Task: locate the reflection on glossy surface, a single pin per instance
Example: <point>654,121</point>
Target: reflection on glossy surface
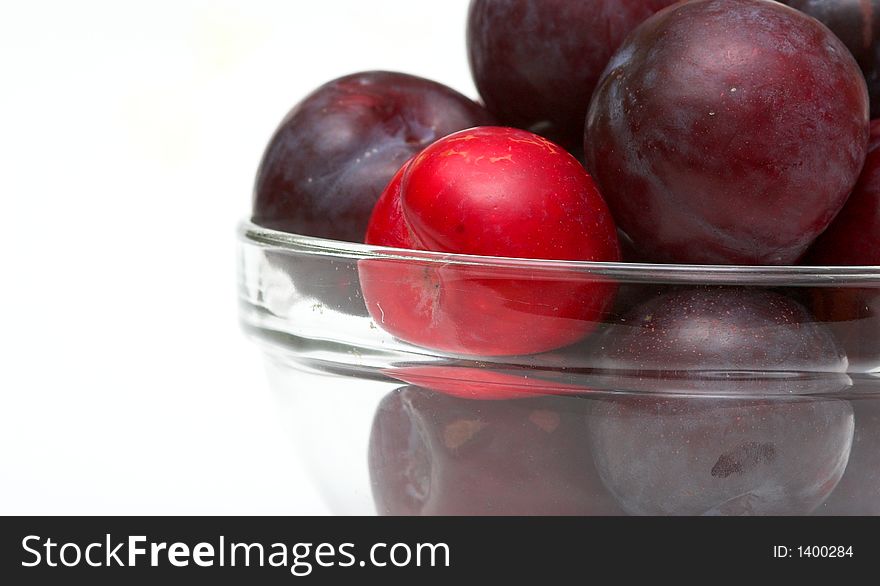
<point>373,448</point>
<point>704,390</point>
<point>858,492</point>
<point>434,454</point>
<point>484,383</point>
<point>331,284</point>
<point>720,456</point>
<point>853,314</point>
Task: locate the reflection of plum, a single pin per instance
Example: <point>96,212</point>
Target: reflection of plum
<point>434,454</point>
<point>858,492</point>
<point>479,381</point>
<point>727,335</point>
<point>694,456</point>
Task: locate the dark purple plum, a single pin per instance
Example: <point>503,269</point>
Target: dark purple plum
<point>857,24</point>
<point>723,339</point>
<point>436,454</point>
<point>536,62</point>
<point>662,455</point>
<point>728,132</point>
<point>336,150</point>
<point>628,250</point>
<point>854,236</point>
<point>853,313</point>
<point>858,492</point>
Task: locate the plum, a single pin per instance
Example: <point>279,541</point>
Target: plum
<point>686,455</point>
<point>857,24</point>
<point>336,150</point>
<point>435,454</point>
<point>628,250</point>
<point>853,238</point>
<point>853,313</point>
<point>536,62</point>
<point>490,191</point>
<point>727,132</point>
<point>719,338</point>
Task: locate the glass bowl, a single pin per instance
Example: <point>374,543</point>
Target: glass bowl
<point>424,383</point>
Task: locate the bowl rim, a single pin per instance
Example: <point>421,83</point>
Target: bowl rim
<point>743,275</point>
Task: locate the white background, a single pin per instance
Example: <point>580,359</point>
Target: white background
<point>129,138</point>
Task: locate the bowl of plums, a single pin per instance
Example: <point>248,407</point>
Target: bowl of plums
<point>639,275</point>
